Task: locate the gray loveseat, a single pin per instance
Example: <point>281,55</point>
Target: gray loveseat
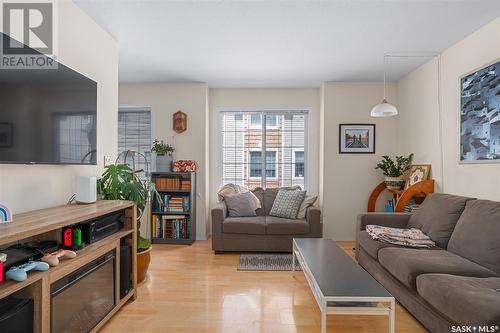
<point>262,233</point>
<point>455,283</point>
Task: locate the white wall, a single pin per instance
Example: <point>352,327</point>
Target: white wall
<point>418,120</point>
<point>348,179</point>
<point>165,100</point>
<point>88,49</point>
<point>419,113</point>
<point>272,98</point>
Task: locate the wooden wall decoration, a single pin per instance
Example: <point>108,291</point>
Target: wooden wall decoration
<point>179,121</point>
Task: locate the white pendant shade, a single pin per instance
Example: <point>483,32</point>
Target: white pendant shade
<point>384,109</point>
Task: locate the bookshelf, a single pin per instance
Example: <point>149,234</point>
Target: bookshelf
<point>174,222</point>
<point>402,197</point>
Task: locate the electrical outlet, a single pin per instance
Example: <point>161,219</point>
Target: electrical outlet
<point>107,160</point>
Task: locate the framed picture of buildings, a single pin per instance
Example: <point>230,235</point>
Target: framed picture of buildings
<point>480,115</point>
<point>356,138</point>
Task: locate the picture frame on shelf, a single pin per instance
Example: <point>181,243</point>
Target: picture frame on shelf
<point>357,138</point>
<point>417,173</point>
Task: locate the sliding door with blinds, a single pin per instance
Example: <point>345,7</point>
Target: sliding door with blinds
<point>266,148</point>
<point>134,132</point>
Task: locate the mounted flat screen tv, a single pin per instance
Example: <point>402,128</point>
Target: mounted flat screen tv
<point>47,116</point>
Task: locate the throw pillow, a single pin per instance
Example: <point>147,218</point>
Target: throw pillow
<point>229,189</point>
<point>287,204</point>
<point>309,200</point>
<point>240,205</point>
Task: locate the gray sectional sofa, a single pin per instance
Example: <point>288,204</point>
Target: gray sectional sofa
<point>455,283</point>
<point>263,233</point>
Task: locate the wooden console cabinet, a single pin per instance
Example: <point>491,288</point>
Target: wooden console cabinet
<point>47,224</point>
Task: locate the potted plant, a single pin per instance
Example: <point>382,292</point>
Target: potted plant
<point>163,152</point>
<point>394,170</point>
<point>119,182</point>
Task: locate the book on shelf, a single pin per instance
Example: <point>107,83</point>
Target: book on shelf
<point>186,185</point>
<point>174,204</point>
<point>411,206</point>
<point>390,206</point>
<point>170,227</point>
<point>166,183</point>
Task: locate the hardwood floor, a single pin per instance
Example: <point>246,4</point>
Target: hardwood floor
<point>189,289</point>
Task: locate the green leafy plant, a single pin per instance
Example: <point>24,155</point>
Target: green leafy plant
<point>161,148</point>
<point>119,182</point>
<point>391,168</point>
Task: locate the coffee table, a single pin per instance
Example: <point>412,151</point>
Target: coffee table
<point>338,283</point>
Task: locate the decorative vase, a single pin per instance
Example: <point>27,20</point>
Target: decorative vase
<point>143,260</point>
<point>164,163</point>
<point>394,183</point>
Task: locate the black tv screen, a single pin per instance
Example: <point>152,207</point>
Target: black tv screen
<point>47,116</point>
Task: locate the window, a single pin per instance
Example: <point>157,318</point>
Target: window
<point>246,139</point>
<point>255,162</point>
<point>134,132</point>
<point>256,121</point>
<point>298,163</point>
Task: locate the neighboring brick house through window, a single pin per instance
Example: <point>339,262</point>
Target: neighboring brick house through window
<point>279,136</point>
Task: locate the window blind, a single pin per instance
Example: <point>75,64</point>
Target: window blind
<point>134,132</point>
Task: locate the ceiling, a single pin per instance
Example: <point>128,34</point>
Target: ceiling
<point>280,43</point>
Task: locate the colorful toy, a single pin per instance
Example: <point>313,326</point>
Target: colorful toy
<point>53,258</point>
<point>5,214</point>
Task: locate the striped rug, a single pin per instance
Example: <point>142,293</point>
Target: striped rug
<point>266,262</point>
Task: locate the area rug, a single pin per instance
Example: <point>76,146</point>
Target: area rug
<point>266,262</point>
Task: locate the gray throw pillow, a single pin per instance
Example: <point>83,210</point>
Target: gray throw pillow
<point>240,205</point>
<point>287,204</point>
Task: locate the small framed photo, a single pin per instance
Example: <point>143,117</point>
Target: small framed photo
<point>6,135</point>
<point>418,173</point>
<point>356,138</point>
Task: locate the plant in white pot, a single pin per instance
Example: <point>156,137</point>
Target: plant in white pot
<point>394,170</point>
<point>163,152</point>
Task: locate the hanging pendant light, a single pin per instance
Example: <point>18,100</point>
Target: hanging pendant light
<point>384,109</point>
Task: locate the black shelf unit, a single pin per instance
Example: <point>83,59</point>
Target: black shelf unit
<point>159,177</point>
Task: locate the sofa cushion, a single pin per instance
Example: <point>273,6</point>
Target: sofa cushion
<point>281,226</point>
<point>240,205</point>
<point>465,300</point>
<point>438,215</point>
<point>370,245</point>
<point>477,234</point>
<point>245,225</point>
<point>406,264</point>
<point>287,204</point>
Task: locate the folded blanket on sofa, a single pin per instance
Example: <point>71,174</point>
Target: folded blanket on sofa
<point>403,237</point>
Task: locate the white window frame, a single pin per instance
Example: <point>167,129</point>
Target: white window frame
<point>294,150</point>
<point>275,151</point>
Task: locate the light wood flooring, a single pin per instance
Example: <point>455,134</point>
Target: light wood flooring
<point>189,289</point>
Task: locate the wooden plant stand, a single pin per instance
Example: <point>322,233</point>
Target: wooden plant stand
<point>418,190</point>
